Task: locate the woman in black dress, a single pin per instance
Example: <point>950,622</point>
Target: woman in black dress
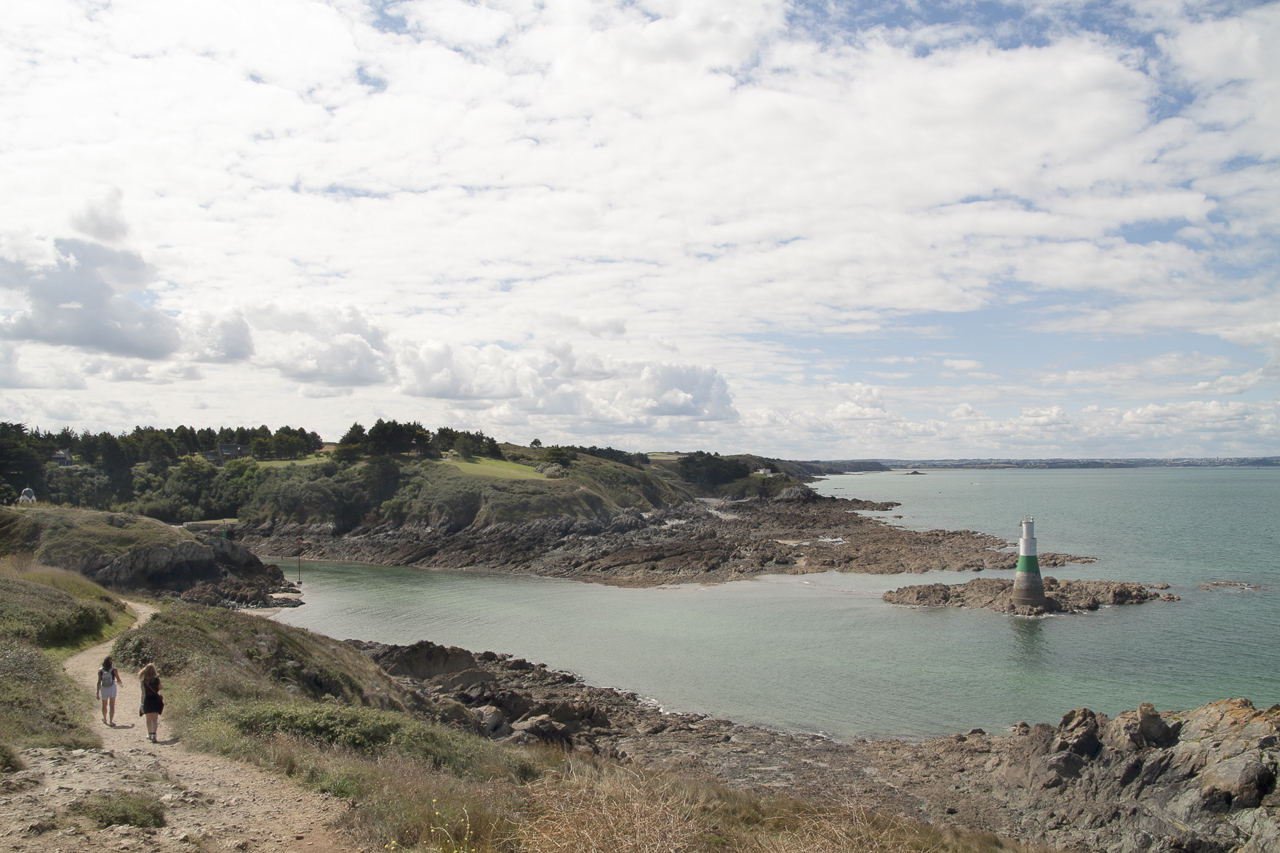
<point>152,701</point>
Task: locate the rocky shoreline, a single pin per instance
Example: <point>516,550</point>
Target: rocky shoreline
<point>798,533</point>
<point>1200,780</point>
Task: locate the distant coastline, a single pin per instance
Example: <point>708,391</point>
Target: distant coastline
<point>1189,462</point>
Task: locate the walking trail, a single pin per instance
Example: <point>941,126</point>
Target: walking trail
<point>211,803</point>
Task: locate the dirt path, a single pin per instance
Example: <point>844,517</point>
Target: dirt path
<point>210,803</point>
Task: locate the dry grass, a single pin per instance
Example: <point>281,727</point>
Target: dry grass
<point>410,801</point>
<point>597,808</point>
<point>14,565</point>
<point>61,612</point>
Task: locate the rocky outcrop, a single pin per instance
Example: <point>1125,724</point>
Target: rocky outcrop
<point>1144,782</point>
<point>796,533</point>
<point>997,594</point>
<point>1194,780</point>
<point>213,572</point>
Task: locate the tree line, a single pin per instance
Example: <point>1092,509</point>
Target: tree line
<point>106,462</point>
<point>392,438</point>
<point>163,473</point>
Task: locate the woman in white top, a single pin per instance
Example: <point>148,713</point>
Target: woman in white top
<point>108,678</point>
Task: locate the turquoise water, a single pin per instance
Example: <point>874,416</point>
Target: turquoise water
<point>824,653</point>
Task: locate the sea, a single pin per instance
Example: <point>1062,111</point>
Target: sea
<point>823,653</point>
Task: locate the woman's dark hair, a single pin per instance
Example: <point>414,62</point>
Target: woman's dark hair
<point>106,662</point>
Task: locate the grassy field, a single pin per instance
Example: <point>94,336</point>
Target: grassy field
<point>482,467</point>
<point>309,459</point>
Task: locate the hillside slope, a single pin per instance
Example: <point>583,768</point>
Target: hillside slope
<point>132,552</point>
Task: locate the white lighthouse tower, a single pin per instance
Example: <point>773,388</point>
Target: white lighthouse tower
<point>1028,587</point>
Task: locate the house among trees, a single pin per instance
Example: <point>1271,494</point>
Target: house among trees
<point>63,458</point>
<point>226,452</point>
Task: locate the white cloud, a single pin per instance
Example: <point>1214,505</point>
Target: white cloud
<point>103,220</point>
<point>696,219</point>
<point>338,347</point>
<point>218,337</point>
<point>116,370</point>
<point>75,303</point>
<point>559,381</point>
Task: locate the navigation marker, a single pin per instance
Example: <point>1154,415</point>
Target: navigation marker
<point>1028,587</point>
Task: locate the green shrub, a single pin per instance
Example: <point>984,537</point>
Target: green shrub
<point>122,808</point>
<point>362,730</point>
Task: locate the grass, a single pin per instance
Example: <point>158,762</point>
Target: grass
<point>482,467</point>
<point>624,486</point>
<point>593,806</point>
<point>39,706</point>
<point>56,610</point>
<point>442,495</point>
<point>121,808</point>
<point>9,760</point>
<point>309,459</point>
<point>46,615</point>
<point>321,713</point>
<point>229,657</point>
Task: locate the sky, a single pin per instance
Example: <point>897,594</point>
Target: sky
<point>813,230</point>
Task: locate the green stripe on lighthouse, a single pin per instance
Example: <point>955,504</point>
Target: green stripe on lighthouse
<point>1028,563</point>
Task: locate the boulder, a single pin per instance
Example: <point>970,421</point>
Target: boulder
<point>424,660</point>
<point>493,723</point>
<point>543,728</point>
<point>1240,782</point>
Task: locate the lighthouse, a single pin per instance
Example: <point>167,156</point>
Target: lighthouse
<point>1028,588</point>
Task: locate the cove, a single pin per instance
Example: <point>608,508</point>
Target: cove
<point>823,653</point>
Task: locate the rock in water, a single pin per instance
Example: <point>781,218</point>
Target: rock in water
<point>997,594</point>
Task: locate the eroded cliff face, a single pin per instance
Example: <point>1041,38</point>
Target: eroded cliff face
<point>212,571</point>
